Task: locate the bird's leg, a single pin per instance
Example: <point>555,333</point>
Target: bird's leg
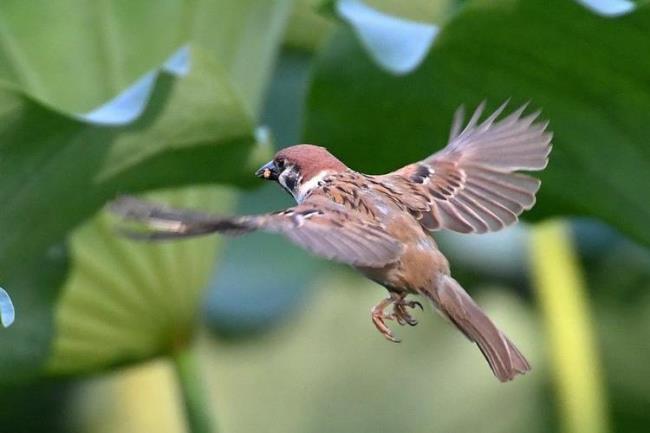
<point>378,316</point>
<point>400,312</point>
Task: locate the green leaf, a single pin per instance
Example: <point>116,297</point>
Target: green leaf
<point>425,11</point>
<point>76,54</point>
<point>584,70</point>
<point>57,171</point>
<point>307,28</point>
<point>59,168</point>
<point>34,287</point>
<point>245,35</point>
<point>71,63</point>
<point>123,300</point>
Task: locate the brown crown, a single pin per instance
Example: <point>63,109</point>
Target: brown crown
<point>310,160</point>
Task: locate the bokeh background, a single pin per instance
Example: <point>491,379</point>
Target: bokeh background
<point>182,99</point>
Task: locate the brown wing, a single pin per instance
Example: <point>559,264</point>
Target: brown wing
<point>324,229</point>
<point>471,186</point>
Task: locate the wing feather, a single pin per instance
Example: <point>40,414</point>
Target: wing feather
<point>472,185</point>
<point>324,229</point>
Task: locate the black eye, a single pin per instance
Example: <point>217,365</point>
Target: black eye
<point>279,163</point>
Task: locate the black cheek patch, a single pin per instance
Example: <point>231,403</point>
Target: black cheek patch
<point>290,181</point>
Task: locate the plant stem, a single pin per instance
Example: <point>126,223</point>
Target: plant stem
<point>575,362</point>
<point>198,411</point>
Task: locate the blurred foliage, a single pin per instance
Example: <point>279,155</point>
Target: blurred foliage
<point>571,342</point>
<point>149,307</point>
<point>416,10</point>
<point>87,301</point>
<point>328,371</point>
<point>36,407</point>
<point>307,29</point>
<point>60,168</point>
<point>84,53</point>
<point>115,159</point>
<point>619,279</point>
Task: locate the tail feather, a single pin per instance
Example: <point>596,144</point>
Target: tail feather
<point>505,360</point>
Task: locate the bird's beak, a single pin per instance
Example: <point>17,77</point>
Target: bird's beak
<point>268,171</point>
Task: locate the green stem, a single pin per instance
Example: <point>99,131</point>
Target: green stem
<point>571,345</point>
<point>198,411</point>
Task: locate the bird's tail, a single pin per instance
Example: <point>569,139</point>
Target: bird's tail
<point>506,361</point>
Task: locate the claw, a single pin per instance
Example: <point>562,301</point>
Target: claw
<point>401,314</point>
<point>411,304</point>
<point>392,338</point>
<point>411,321</point>
<point>406,317</point>
<point>378,316</point>
<point>383,329</point>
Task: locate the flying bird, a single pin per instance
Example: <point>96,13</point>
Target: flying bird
<point>381,225</point>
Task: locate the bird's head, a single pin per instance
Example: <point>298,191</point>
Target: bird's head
<point>299,168</point>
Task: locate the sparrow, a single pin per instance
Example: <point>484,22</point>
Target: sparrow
<point>381,224</point>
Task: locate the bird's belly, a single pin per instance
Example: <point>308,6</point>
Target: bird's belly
<point>418,268</point>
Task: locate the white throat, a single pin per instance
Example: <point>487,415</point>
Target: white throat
<point>305,188</point>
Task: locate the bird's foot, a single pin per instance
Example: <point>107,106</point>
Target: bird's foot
<point>401,314</point>
<point>378,316</point>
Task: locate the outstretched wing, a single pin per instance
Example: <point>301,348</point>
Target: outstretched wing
<point>471,186</point>
<point>324,229</point>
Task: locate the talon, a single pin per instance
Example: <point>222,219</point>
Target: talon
<point>411,321</point>
<point>392,338</point>
<point>383,329</point>
<point>412,304</point>
<point>401,314</point>
<point>378,316</point>
<point>405,317</point>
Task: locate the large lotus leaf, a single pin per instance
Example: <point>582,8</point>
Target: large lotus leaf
<point>586,71</point>
<point>190,124</point>
<point>76,54</point>
<point>58,170</point>
<point>125,300</point>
